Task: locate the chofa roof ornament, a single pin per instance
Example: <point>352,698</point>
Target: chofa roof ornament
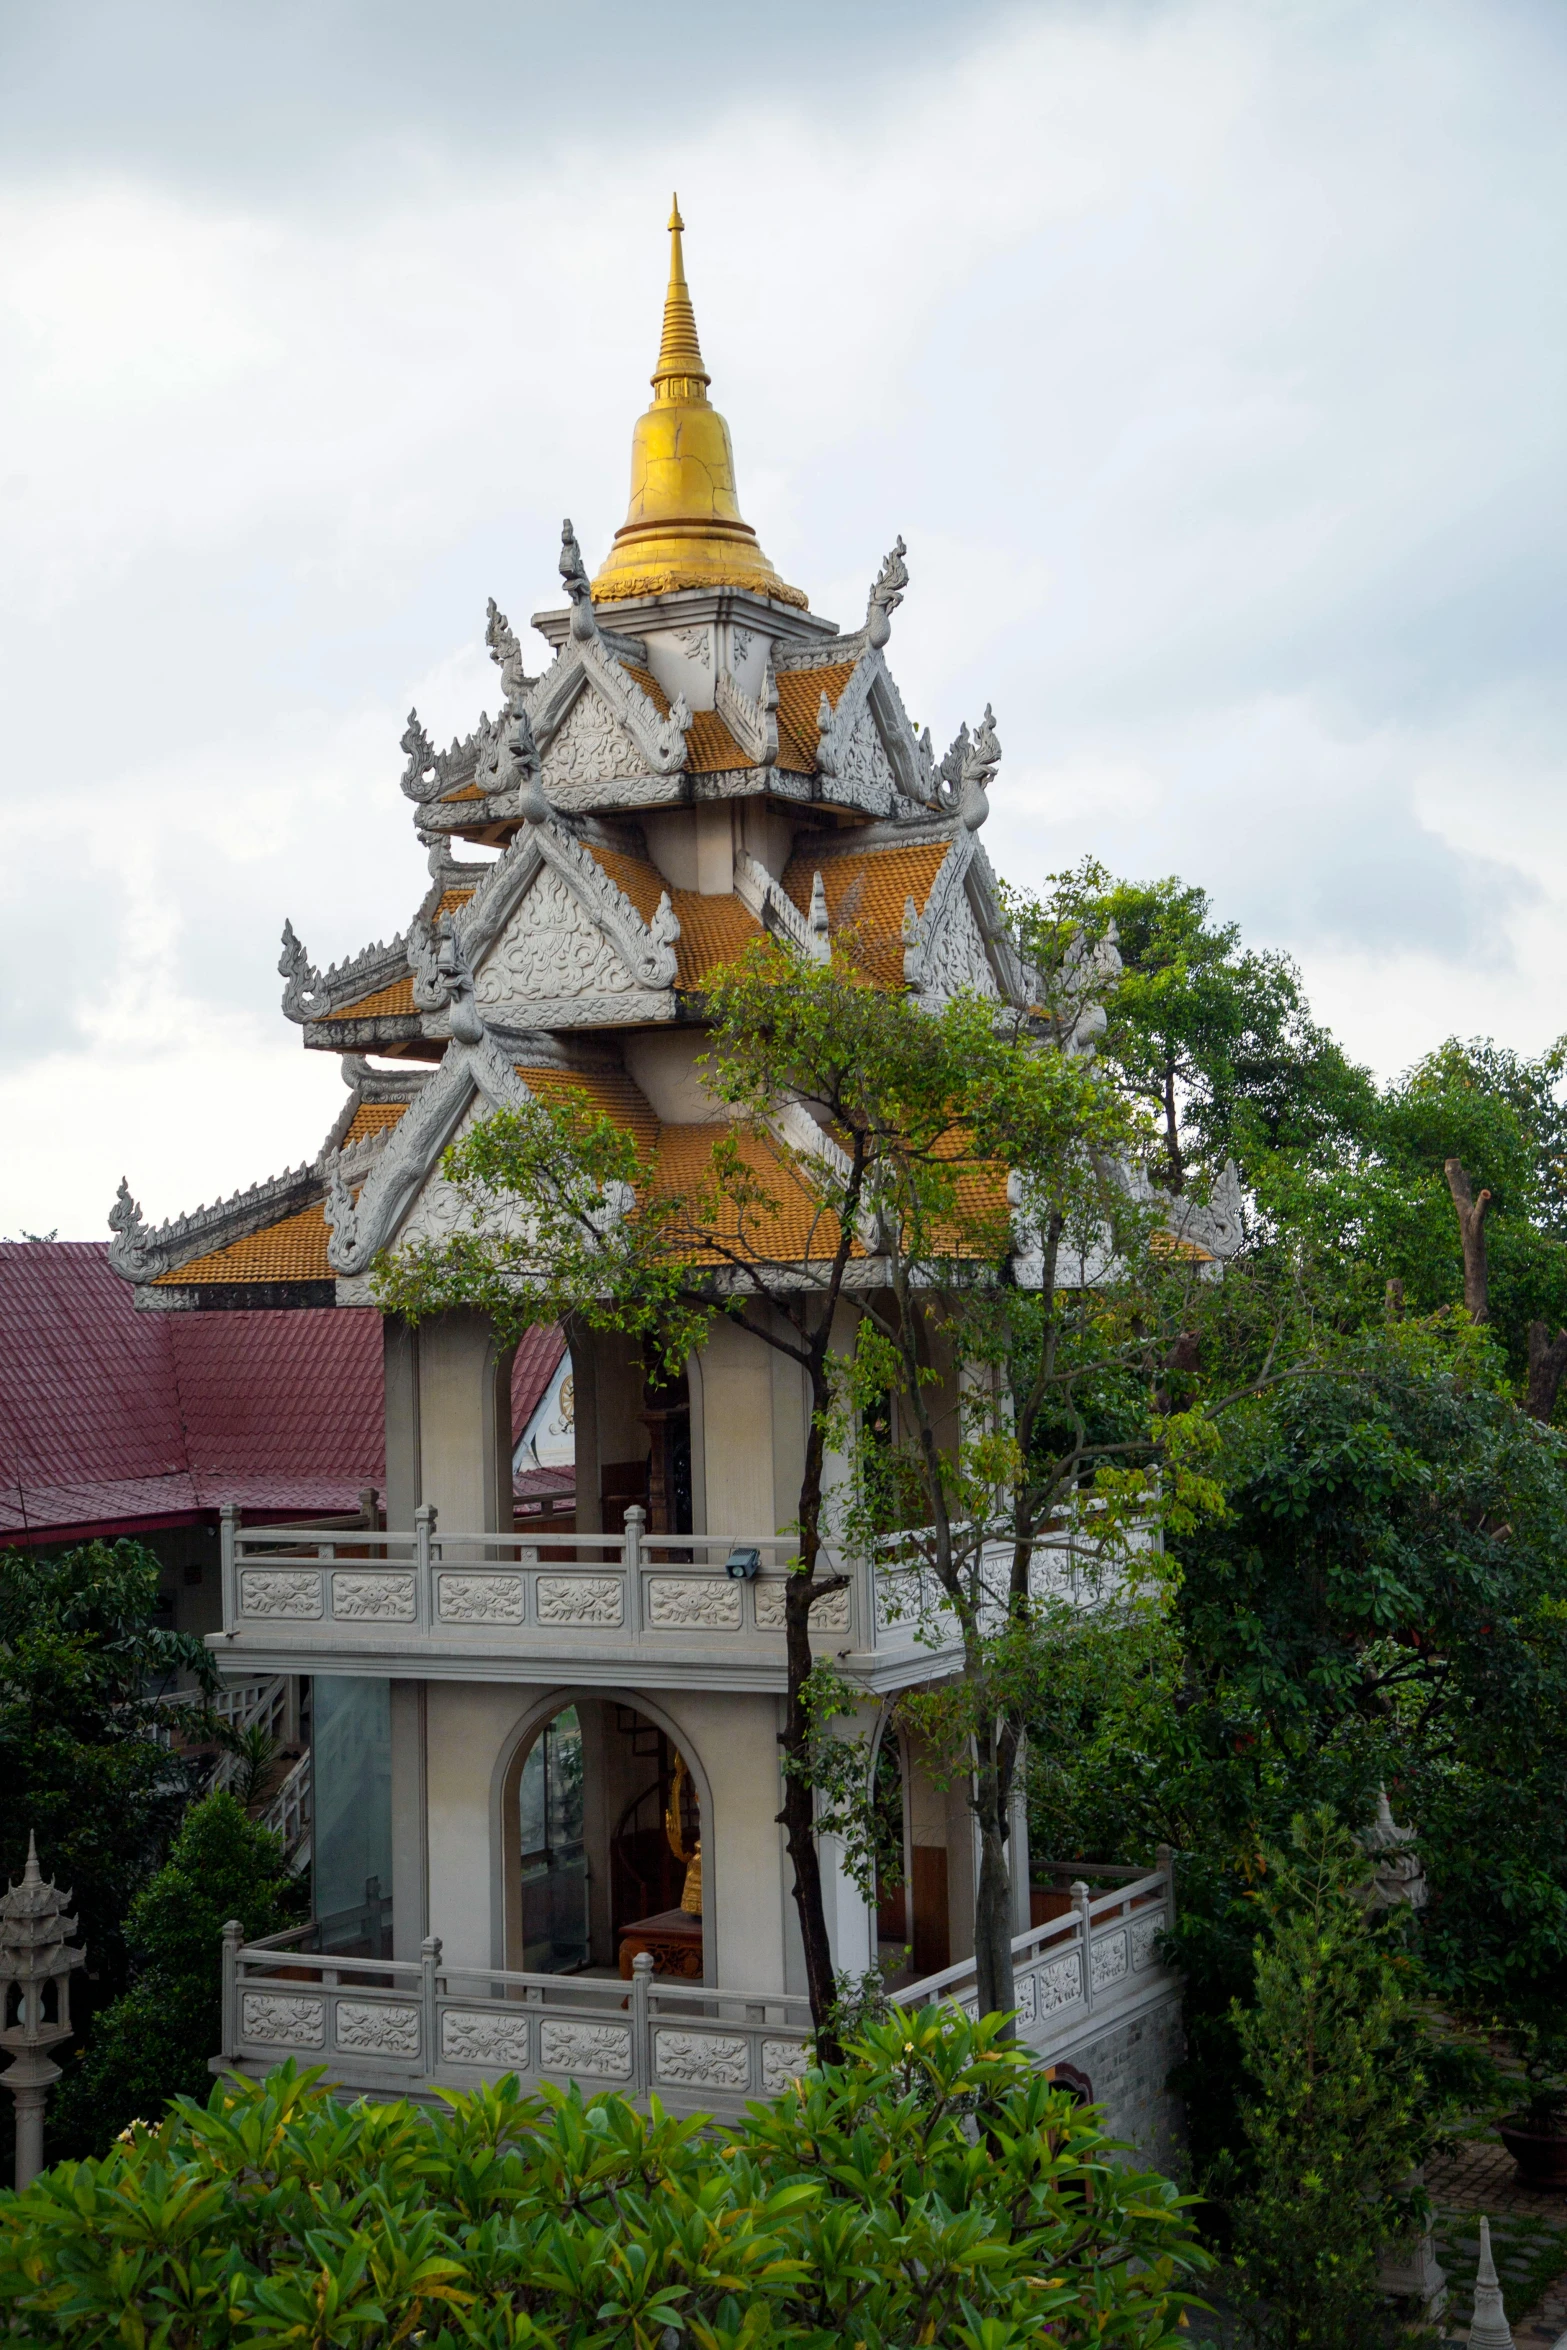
<point>574,579</point>
<point>886,595</point>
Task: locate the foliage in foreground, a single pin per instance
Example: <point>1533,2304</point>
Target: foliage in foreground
<point>154,2041</point>
<point>932,2188</point>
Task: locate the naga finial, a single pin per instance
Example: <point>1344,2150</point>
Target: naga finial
<point>578,587</point>
<point>506,653</point>
<point>418,777</point>
<point>886,594</point>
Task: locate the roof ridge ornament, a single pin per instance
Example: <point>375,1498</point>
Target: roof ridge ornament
<point>531,801</point>
<point>128,1249</point>
<point>421,777</point>
<point>886,594</point>
<point>978,770</point>
<point>817,922</point>
<point>578,587</point>
<point>305,997</point>
<point>506,653</point>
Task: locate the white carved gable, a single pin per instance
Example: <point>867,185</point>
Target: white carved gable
<point>864,770</point>
<point>439,1210</point>
<point>591,748</point>
<point>552,962</point>
<point>955,957</point>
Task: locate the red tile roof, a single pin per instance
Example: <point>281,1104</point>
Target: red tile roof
<point>112,1418</point>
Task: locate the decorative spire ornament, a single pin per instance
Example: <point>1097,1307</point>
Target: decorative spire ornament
<point>683,526</point>
<point>34,1933</point>
<point>1489,2329</point>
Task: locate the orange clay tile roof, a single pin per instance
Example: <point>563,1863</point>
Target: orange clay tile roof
<point>651,687</point>
<point>711,748</point>
<point>866,890</point>
<point>469,791</point>
<point>800,694</point>
<point>399,997</point>
<point>712,929</point>
<point>608,1091</point>
<point>451,899</point>
<point>372,1118</point>
<point>294,1250</point>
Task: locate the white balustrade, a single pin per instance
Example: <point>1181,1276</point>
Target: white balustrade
<point>403,2023</point>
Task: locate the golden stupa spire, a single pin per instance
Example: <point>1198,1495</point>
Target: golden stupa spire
<point>683,528</point>
<point>679,352</point>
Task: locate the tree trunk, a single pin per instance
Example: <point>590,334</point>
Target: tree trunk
<point>993,1898</point>
<point>1471,1232</point>
<point>798,1816</point>
<point>1547,1364</point>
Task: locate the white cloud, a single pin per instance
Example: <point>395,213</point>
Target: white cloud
<point>1209,357</point>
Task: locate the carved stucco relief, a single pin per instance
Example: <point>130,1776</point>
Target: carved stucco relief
<point>479,1599</point>
<point>484,2039</point>
<point>864,768</point>
<point>830,1613</point>
<point>1145,1931</point>
<point>702,2060</point>
<point>283,2023</point>
<point>955,957</point>
<point>783,2061</point>
<point>279,1593</point>
<point>550,948</point>
<point>1060,1983</point>
<point>580,1599</point>
<point>382,1599</point>
<point>377,2031</point>
<point>700,1602</point>
<point>1109,1959</point>
<point>1023,1992</point>
<point>601,2049</point>
<point>440,1209</point>
<point>591,748</point>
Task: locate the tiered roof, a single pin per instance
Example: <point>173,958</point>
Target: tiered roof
<point>702,761</point>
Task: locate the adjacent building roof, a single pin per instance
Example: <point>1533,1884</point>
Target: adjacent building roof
<point>113,1421</point>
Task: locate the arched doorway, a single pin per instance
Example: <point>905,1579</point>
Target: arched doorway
<point>602,1821</point>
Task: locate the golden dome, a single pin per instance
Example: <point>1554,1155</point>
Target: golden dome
<point>683,526</point>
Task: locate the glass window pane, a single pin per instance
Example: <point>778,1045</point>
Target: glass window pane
<point>351,1852</point>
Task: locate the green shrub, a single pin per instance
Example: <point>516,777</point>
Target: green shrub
<point>1339,2108</point>
<point>154,2042</point>
<point>931,2189</point>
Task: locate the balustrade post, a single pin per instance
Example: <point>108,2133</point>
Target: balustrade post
<point>233,1936</point>
<point>429,1964</point>
<point>424,1553</point>
<point>636,1521</point>
<point>641,2036</point>
<point>228,1538</point>
<point>1082,1902</point>
<point>1164,1858</point>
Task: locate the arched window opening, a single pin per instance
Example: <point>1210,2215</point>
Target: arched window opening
<point>607,1858</point>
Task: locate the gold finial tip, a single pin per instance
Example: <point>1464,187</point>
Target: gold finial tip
<point>675,220</point>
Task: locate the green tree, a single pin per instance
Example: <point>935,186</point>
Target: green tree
<point>932,2188</point>
<point>82,1660</point>
<point>1337,2109</point>
<point>155,2040</point>
<point>1213,1038</point>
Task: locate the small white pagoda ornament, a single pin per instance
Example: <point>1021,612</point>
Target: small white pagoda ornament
<point>1489,2329</point>
<point>1399,1875</point>
<point>34,1933</point>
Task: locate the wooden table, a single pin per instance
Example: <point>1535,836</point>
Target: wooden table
<point>673,1937</point>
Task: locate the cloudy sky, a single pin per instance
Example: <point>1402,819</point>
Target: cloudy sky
<point>1209,355</point>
